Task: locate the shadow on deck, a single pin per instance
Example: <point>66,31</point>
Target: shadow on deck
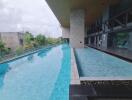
<point>82,92</point>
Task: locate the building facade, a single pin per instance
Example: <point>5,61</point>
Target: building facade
<point>95,23</point>
<point>12,40</point>
<point>113,28</point>
<point>102,24</point>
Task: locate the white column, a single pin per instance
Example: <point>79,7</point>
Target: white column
<point>65,32</point>
<point>77,28</point>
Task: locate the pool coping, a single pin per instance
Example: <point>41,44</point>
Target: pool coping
<point>75,79</point>
<point>105,78</point>
<point>25,54</point>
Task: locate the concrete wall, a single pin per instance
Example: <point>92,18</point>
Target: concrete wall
<point>11,39</point>
<point>65,32</point>
<point>77,28</point>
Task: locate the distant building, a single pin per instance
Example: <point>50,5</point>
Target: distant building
<point>95,23</point>
<point>12,39</point>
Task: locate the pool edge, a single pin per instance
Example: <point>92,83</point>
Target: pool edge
<point>75,78</point>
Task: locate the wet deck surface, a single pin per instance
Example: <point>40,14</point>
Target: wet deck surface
<point>121,53</point>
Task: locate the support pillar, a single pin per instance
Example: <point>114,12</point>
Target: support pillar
<point>77,28</point>
<point>89,41</point>
<point>105,28</point>
<point>65,32</point>
<point>104,40</point>
<point>98,41</point>
<point>95,41</point>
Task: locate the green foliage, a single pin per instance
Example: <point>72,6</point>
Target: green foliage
<point>1,45</point>
<point>28,46</point>
<point>121,39</point>
<point>53,40</point>
<point>3,50</point>
<point>19,50</point>
<point>7,50</point>
<point>30,42</point>
<point>40,39</point>
<point>28,38</point>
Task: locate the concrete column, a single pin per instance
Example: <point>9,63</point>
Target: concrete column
<point>104,40</point>
<point>105,28</point>
<point>130,41</point>
<point>98,41</point>
<point>65,32</point>
<point>95,41</point>
<point>89,40</point>
<point>77,28</point>
<point>105,18</point>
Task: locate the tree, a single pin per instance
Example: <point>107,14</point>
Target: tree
<point>54,40</point>
<point>3,49</point>
<point>40,39</point>
<point>29,41</point>
<point>121,39</point>
<point>1,45</point>
<point>28,38</point>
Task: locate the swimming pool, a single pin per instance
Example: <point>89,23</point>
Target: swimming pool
<point>97,64</point>
<point>44,75</point>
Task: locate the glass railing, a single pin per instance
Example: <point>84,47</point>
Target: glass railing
<point>15,54</point>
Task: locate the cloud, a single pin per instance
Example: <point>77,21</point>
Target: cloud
<point>29,15</point>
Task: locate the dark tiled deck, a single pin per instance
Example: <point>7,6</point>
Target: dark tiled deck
<point>120,53</point>
<point>82,92</point>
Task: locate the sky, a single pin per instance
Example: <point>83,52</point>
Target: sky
<point>34,16</point>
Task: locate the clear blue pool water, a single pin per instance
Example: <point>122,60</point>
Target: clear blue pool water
<point>94,63</point>
<point>41,76</point>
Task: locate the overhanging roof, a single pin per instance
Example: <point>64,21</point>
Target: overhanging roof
<point>93,8</point>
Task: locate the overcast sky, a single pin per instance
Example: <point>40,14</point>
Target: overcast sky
<point>28,15</point>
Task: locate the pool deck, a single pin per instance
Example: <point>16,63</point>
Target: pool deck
<point>127,55</point>
<point>98,88</point>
